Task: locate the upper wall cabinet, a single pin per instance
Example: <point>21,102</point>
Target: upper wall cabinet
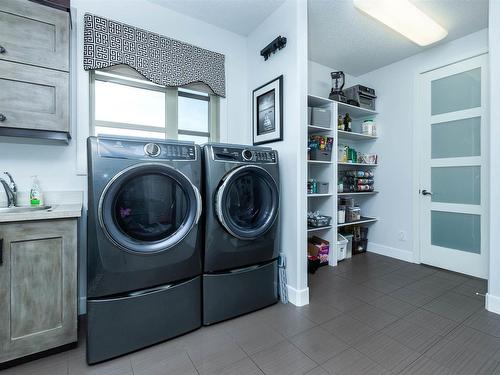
<point>34,71</point>
<point>34,34</point>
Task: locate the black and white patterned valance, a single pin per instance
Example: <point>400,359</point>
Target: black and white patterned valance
<point>162,60</point>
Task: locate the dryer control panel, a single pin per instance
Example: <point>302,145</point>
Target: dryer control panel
<point>131,149</point>
<point>249,155</point>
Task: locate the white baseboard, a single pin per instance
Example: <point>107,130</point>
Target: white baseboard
<point>492,303</point>
<point>298,297</point>
<point>392,252</point>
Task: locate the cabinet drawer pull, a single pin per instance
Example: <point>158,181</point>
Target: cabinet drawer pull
<point>2,117</point>
<point>1,251</point>
<point>2,49</point>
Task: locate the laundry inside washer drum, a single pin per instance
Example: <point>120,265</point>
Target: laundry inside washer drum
<point>150,207</point>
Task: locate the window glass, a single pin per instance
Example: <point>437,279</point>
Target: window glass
<point>198,139</point>
<point>127,105</point>
<point>193,114</point>
<point>101,130</point>
<point>131,105</point>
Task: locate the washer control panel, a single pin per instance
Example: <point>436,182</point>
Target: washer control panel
<point>249,155</point>
<point>131,149</point>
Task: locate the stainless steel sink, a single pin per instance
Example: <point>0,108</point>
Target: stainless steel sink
<point>23,209</point>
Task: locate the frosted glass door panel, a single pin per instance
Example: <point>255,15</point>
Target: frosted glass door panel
<point>453,139</point>
<point>456,184</point>
<point>456,92</point>
<point>456,231</point>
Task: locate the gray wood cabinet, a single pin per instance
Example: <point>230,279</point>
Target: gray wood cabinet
<point>33,97</point>
<point>34,70</point>
<point>38,293</point>
<point>34,34</point>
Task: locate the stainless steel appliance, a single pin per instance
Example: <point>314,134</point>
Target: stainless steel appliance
<point>362,95</point>
<point>144,244</point>
<point>240,270</point>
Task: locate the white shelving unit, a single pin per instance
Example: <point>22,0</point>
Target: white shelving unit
<point>327,171</point>
<point>362,143</point>
<point>324,171</point>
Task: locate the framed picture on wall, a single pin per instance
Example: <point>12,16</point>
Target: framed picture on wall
<point>267,112</point>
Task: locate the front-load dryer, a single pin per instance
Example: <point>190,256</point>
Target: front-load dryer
<point>144,243</point>
<point>242,198</point>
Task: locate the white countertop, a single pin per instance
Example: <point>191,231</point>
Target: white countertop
<point>58,211</point>
<point>64,205</point>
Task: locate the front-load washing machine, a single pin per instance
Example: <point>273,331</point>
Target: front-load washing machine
<point>242,197</point>
<point>144,243</point>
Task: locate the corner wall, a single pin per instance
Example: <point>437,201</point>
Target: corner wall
<point>493,296</point>
<point>290,21</point>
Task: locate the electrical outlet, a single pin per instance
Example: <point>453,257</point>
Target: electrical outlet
<point>402,235</point>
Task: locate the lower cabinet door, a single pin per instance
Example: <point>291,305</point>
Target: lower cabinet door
<point>38,296</point>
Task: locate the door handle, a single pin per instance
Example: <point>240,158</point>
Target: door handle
<point>2,117</point>
<point>425,192</point>
<point>2,49</point>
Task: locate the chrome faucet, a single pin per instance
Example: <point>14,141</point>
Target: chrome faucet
<point>10,190</point>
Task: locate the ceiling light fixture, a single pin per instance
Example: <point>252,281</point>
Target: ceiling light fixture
<point>405,18</point>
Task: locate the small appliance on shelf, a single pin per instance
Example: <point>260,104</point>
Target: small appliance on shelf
<point>362,96</point>
<point>338,82</point>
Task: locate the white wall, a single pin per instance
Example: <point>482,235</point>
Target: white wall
<point>63,167</point>
<point>319,81</point>
<point>290,21</point>
<point>395,87</point>
<point>493,297</point>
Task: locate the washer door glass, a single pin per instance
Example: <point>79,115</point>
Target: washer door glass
<point>248,202</point>
<point>149,208</point>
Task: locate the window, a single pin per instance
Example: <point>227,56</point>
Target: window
<point>124,103</point>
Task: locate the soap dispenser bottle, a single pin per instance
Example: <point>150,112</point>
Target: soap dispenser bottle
<point>35,193</point>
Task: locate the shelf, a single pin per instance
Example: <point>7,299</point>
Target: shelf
<point>355,112</point>
<point>364,220</point>
<point>359,193</point>
<point>319,162</point>
<point>319,195</point>
<point>312,229</point>
<point>317,101</point>
<point>342,134</point>
<point>359,164</point>
<point>318,129</point>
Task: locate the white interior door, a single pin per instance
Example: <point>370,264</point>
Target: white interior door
<point>453,128</point>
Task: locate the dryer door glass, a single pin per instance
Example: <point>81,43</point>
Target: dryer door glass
<point>149,208</point>
<point>248,202</point>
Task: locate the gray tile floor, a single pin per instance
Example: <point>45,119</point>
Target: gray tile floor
<point>370,315</point>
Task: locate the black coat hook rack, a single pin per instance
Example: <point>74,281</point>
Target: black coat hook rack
<point>275,45</point>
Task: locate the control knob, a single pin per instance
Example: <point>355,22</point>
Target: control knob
<point>152,149</point>
<point>247,155</point>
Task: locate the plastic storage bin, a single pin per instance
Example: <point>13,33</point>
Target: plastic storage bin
<point>323,187</point>
<point>342,243</point>
<point>348,254</point>
<point>320,221</point>
<point>320,155</point>
<point>321,117</point>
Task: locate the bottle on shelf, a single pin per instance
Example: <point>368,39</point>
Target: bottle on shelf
<point>347,123</point>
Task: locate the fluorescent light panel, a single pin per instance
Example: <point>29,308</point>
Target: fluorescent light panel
<point>405,18</point>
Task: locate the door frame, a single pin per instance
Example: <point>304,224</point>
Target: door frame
<point>417,155</point>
